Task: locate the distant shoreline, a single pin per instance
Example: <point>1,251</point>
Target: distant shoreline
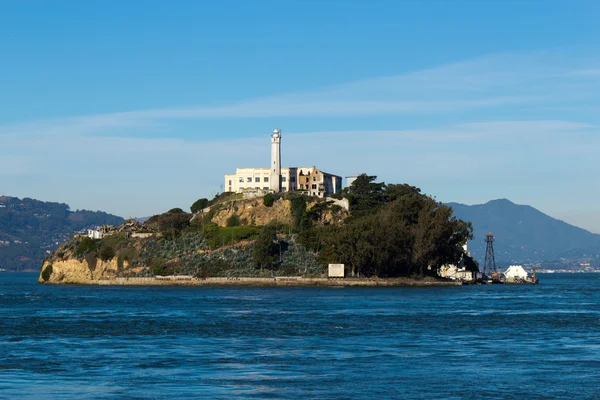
<point>261,282</point>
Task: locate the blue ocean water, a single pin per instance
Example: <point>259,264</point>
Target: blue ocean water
<point>474,342</point>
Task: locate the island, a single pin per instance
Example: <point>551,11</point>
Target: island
<point>383,234</point>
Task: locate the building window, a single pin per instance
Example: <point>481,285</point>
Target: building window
<point>241,179</point>
<point>230,183</point>
<point>266,179</point>
<point>314,178</point>
<point>257,179</point>
<point>249,179</point>
<point>292,179</point>
<point>265,188</point>
<point>314,186</point>
<point>283,179</point>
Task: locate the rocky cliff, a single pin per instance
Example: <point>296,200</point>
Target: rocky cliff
<point>77,271</point>
<point>207,244</point>
<point>254,212</point>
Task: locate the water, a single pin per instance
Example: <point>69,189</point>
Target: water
<point>495,341</point>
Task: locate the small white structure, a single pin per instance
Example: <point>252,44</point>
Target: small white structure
<point>336,271</point>
<point>515,273</point>
<point>463,275</point>
<point>94,234</point>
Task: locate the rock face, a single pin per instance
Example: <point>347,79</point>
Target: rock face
<point>76,271</point>
<point>135,251</point>
<point>254,212</point>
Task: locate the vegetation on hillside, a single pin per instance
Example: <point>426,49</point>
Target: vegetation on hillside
<point>393,230</point>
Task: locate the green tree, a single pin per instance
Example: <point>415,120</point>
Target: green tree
<point>301,218</point>
<point>199,205</point>
<point>365,195</point>
<point>107,252</point>
<point>265,247</point>
<point>87,245</point>
<point>268,200</point>
<point>172,224</point>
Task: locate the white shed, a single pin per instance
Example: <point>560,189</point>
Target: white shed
<point>515,272</point>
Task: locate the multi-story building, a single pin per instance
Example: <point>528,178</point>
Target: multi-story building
<point>276,179</point>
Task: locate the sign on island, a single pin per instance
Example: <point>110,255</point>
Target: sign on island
<point>336,270</point>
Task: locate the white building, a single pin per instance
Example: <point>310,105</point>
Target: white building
<point>94,234</point>
<point>515,273</point>
<point>310,180</point>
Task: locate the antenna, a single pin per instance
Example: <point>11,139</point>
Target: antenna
<point>489,265</point>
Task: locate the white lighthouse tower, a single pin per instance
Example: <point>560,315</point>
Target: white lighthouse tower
<point>275,181</point>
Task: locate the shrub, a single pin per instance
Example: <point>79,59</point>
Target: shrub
<point>199,205</point>
<point>268,200</point>
<point>87,245</point>
<point>234,220</point>
<point>91,261</point>
<point>128,254</point>
<point>217,236</point>
<point>221,197</point>
<point>107,252</point>
<point>46,273</point>
<point>158,266</point>
<point>171,225</point>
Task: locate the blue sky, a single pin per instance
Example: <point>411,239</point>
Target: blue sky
<point>140,106</point>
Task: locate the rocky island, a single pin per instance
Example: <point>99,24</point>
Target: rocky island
<point>383,234</point>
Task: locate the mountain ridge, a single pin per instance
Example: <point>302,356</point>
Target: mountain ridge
<point>30,228</point>
<point>525,234</point>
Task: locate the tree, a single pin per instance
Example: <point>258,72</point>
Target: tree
<point>171,224</point>
<point>107,253</point>
<point>365,195</point>
<point>265,247</point>
<point>301,218</point>
<point>199,205</point>
<point>268,200</point>
<point>412,234</point>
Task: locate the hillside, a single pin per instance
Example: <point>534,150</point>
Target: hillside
<point>524,234</point>
<point>390,231</point>
<point>29,229</point>
<point>219,242</point>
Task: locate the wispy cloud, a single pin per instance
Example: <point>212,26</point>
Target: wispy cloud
<point>520,118</point>
<point>499,81</point>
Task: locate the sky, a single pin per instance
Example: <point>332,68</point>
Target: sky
<point>137,107</point>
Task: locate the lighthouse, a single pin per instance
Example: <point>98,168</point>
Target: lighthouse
<point>275,181</point>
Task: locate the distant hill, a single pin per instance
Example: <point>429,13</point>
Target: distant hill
<point>524,234</point>
<point>28,228</point>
